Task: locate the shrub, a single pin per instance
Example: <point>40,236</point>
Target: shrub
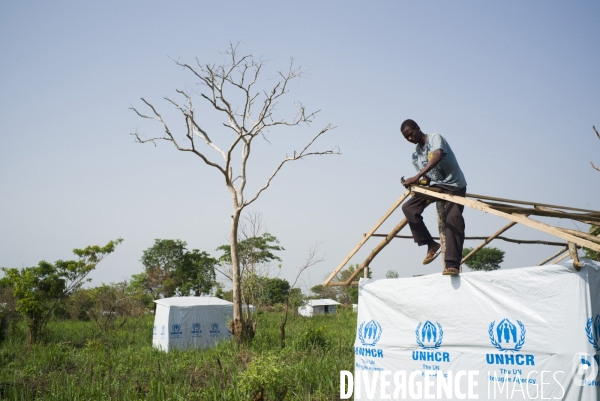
<point>265,377</point>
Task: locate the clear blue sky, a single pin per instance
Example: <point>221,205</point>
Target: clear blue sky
<point>514,87</point>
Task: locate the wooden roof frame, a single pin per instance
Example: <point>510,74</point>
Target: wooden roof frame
<point>509,209</point>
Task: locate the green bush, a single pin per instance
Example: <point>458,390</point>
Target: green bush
<point>312,338</point>
<point>265,374</point>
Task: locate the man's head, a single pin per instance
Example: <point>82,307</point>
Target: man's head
<point>411,131</point>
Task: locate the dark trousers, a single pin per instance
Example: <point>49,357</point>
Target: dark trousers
<point>455,224</point>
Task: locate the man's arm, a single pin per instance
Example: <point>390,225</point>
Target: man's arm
<point>435,160</point>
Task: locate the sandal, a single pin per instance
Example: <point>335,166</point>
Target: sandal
<point>450,271</point>
<point>431,255</point>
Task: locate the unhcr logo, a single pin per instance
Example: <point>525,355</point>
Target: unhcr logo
<point>507,337</point>
<point>429,337</point>
<point>196,330</point>
<point>176,330</point>
<point>214,329</point>
<point>369,334</point>
<point>592,329</point>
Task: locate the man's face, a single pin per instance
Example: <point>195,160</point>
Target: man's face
<point>412,135</point>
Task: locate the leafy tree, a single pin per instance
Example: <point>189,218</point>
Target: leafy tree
<point>392,274</point>
<point>38,289</point>
<point>256,252</point>
<point>589,253</point>
<point>196,275</point>
<point>249,105</point>
<point>170,269</point>
<point>326,292</point>
<point>486,259</point>
<point>275,290</point>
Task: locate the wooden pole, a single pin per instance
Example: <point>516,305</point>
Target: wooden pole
<point>487,241</point>
<point>513,240</point>
<point>518,202</point>
<point>366,237</point>
<point>574,256</point>
<point>543,262</point>
<point>378,249</point>
<point>513,217</point>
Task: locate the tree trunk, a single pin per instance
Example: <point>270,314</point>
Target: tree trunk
<point>237,326</point>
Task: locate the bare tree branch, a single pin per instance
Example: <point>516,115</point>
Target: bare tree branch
<point>249,111</point>
<point>297,156</point>
<point>598,134</point>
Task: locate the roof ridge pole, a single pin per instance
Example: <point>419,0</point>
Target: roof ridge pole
<point>367,236</point>
<point>487,241</point>
<point>519,218</point>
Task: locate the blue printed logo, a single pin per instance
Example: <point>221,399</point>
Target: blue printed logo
<point>429,336</point>
<point>196,330</point>
<point>163,330</point>
<point>214,329</point>
<point>369,333</point>
<point>592,329</point>
<point>507,333</point>
<point>154,331</point>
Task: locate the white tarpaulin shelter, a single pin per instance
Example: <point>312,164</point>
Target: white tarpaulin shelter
<point>318,307</point>
<point>191,322</point>
<point>524,330</point>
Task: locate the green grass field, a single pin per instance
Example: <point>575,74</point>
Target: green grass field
<point>75,362</point>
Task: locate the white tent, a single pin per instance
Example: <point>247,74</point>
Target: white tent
<point>519,332</point>
<point>191,322</point>
<point>317,307</point>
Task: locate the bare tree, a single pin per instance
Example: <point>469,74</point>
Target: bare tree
<point>598,134</point>
<point>220,85</point>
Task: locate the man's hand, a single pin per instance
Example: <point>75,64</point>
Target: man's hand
<point>411,181</point>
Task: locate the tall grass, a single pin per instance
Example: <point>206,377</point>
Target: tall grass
<point>77,363</point>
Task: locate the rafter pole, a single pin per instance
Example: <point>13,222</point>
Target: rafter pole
<point>487,241</point>
<point>378,249</point>
<point>513,217</point>
<point>367,236</point>
<point>543,262</point>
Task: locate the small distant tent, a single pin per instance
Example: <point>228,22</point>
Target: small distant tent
<point>191,322</point>
<point>318,307</point>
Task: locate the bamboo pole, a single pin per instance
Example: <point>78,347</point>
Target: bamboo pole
<point>513,217</point>
<point>487,241</point>
<point>366,237</point>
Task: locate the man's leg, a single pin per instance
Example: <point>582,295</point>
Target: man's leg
<point>413,210</point>
<point>455,229</point>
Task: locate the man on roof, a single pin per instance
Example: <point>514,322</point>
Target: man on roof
<point>436,164</point>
